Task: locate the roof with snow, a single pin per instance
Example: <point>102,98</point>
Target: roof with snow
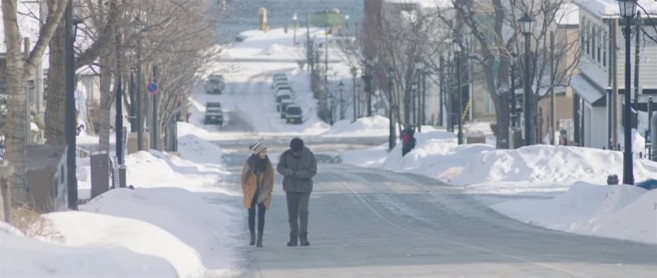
<point>423,3</point>
<point>568,14</point>
<point>609,8</point>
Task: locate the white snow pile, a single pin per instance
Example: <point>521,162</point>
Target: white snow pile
<point>22,256</point>
<point>436,155</point>
<point>619,211</point>
<point>550,164</point>
<point>366,126</point>
<point>584,206</point>
<point>274,49</point>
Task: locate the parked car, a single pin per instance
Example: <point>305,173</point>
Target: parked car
<point>215,84</point>
<point>279,75</point>
<point>283,105</point>
<point>279,78</point>
<point>283,87</point>
<point>213,114</point>
<point>293,114</point>
<point>279,83</point>
<point>282,92</point>
<point>282,95</point>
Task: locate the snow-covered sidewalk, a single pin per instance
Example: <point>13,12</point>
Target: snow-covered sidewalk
<point>171,225</point>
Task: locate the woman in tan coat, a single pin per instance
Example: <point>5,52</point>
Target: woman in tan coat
<point>257,184</point>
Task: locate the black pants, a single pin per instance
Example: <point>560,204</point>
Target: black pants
<point>261,215</point>
<point>297,211</point>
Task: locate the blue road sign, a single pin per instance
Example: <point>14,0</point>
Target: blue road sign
<point>152,88</point>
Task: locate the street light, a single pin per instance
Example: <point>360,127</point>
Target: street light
<point>354,73</point>
<point>329,99</point>
<point>119,117</point>
<point>419,66</point>
<point>70,121</point>
<point>627,10</point>
<point>526,23</point>
<point>391,135</point>
<point>413,118</point>
<point>341,89</point>
<point>294,36</point>
<point>459,110</point>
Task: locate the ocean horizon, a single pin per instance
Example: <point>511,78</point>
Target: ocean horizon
<point>242,15</point>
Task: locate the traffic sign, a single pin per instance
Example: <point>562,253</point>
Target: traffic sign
<point>152,88</point>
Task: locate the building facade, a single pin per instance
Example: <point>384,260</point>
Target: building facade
<point>600,84</point>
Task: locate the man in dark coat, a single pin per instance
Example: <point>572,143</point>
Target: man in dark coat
<point>297,166</point>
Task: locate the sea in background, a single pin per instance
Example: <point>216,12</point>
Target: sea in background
<point>242,15</point>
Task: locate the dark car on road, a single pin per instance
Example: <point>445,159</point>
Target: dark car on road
<point>215,84</point>
<point>213,114</point>
<point>293,115</point>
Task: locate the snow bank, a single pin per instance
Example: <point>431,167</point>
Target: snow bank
<point>436,155</point>
<point>366,126</point>
<point>27,257</point>
<point>620,211</point>
<point>137,236</point>
<point>207,229</point>
<point>550,164</point>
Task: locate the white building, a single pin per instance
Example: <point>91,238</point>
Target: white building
<point>602,70</point>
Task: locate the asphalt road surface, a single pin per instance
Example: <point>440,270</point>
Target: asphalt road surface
<point>375,223</point>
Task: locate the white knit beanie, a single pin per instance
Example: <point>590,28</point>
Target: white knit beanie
<point>257,148</point>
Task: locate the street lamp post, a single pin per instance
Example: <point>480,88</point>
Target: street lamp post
<point>419,66</point>
<point>70,121</point>
<point>354,72</point>
<point>627,11</point>
<point>119,116</point>
<point>294,27</point>
<point>526,23</point>
<point>330,104</point>
<point>340,90</point>
<point>413,103</point>
<point>391,135</point>
<point>441,74</point>
<point>459,110</point>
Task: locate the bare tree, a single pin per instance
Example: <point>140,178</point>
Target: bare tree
<point>493,25</point>
<point>405,36</point>
<point>98,21</point>
<point>19,65</point>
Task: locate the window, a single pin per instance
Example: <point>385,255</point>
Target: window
<point>588,38</point>
<point>605,40</point>
<point>593,46</point>
<point>582,33</point>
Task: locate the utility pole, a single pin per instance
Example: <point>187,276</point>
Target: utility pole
<point>119,115</point>
<point>615,104</point>
<point>392,137</point>
<point>552,129</point>
<point>28,114</point>
<point>140,91</point>
<point>71,124</point>
<point>637,49</point>
<point>460,98</point>
<point>441,73</point>
<point>354,72</point>
<point>154,132</point>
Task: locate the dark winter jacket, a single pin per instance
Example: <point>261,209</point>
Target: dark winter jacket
<point>297,170</point>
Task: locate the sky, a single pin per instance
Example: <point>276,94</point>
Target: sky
<point>185,218</point>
